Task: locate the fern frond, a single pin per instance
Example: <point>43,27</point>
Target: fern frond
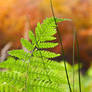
<point>27,44</point>
<point>14,65</point>
<point>35,75</point>
<point>11,82</point>
<point>32,37</point>
<point>47,45</point>
<point>33,71</point>
<point>46,54</point>
<point>21,54</point>
<point>46,29</point>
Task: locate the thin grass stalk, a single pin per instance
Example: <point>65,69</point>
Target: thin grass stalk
<point>78,59</point>
<point>74,35</point>
<point>62,49</point>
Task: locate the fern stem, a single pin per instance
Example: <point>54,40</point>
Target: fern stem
<point>78,58</point>
<point>62,49</point>
<point>44,63</point>
<point>26,81</point>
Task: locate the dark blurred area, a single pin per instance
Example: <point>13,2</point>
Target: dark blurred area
<point>19,16</point>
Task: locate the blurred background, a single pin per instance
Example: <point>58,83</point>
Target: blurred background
<point>19,16</point>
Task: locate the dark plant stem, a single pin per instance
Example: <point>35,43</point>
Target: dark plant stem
<point>62,49</point>
<point>74,35</point>
<point>78,59</point>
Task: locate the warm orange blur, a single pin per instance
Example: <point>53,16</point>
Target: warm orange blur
<point>14,15</point>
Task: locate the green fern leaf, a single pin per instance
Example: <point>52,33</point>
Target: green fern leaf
<point>27,44</point>
<point>46,54</point>
<point>47,29</point>
<point>39,32</point>
<point>12,82</point>
<point>38,79</point>
<point>37,73</point>
<point>21,54</point>
<point>47,38</point>
<point>47,45</point>
<point>32,37</point>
